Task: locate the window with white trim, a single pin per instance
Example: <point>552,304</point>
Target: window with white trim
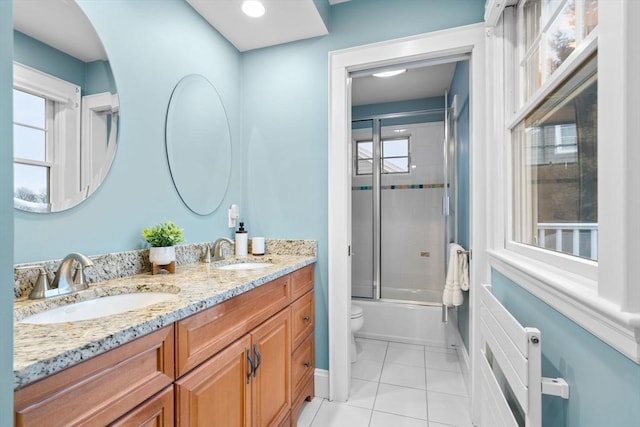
<point>46,127</point>
<point>581,111</point>
<point>32,149</point>
<point>555,139</point>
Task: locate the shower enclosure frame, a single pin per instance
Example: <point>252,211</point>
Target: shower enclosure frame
<point>376,190</point>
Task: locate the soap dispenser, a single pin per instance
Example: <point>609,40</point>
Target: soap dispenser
<point>241,241</point>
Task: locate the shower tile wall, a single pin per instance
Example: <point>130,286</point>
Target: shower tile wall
<point>412,221</point>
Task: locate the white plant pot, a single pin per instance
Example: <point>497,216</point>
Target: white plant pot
<point>162,255</point>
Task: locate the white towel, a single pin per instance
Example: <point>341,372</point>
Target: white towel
<point>457,277</point>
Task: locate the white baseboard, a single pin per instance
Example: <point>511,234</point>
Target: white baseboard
<point>321,383</point>
<point>463,354</point>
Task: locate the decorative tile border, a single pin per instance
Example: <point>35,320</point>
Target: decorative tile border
<point>124,264</point>
<point>398,187</point>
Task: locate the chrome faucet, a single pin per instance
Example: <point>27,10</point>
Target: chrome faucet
<point>67,281</point>
<point>217,248</point>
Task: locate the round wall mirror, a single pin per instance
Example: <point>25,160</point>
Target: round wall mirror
<point>198,144</point>
<point>65,106</point>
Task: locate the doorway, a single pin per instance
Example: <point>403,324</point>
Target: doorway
<point>405,178</point>
<point>458,41</point>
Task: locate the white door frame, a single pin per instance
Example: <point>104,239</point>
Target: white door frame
<point>460,40</point>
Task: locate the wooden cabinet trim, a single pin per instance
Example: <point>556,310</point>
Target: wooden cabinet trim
<point>306,394</point>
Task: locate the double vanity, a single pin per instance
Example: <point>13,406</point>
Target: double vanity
<point>226,344</point>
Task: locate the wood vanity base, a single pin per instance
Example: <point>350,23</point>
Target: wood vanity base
<point>246,362</point>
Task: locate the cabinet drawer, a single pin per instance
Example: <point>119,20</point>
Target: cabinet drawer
<point>157,411</point>
<point>301,281</point>
<point>302,364</point>
<point>204,334</point>
<point>302,319</point>
<point>101,389</point>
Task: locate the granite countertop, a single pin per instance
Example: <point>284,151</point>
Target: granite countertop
<point>42,350</point>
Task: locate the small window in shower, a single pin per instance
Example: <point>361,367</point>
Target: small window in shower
<point>395,156</point>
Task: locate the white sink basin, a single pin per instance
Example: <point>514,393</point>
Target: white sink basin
<point>245,266</point>
<point>98,307</point>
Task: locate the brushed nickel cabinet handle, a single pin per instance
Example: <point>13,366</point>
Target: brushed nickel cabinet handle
<point>251,366</point>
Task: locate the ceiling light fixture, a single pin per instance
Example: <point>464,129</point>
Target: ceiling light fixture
<point>390,73</point>
<point>253,8</point>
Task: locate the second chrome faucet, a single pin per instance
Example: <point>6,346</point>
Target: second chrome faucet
<point>217,248</point>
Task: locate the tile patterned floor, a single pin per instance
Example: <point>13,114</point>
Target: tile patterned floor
<point>397,385</point>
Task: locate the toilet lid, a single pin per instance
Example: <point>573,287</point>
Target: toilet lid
<point>356,311</point>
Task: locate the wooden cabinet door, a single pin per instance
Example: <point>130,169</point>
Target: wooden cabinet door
<point>271,384</point>
<point>218,393</point>
<point>155,412</point>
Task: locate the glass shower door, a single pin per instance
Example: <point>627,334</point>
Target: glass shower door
<point>412,224</point>
<point>398,227</point>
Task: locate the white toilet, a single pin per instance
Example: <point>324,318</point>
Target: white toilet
<point>357,320</point>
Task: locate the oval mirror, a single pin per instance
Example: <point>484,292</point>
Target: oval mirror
<point>65,106</point>
<point>198,144</point>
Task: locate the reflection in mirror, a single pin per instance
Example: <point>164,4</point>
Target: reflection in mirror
<point>198,144</point>
<point>65,106</point>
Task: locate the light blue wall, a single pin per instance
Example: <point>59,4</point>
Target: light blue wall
<point>460,87</point>
<point>151,45</point>
<point>6,213</point>
<point>93,77</point>
<point>98,78</point>
<point>35,54</point>
<point>285,121</point>
<point>604,384</point>
<point>324,9</point>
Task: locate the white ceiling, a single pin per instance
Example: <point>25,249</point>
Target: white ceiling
<point>61,24</point>
<point>284,21</point>
<point>416,83</point>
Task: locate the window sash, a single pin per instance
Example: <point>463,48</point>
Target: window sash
<point>580,267</point>
<point>535,52</point>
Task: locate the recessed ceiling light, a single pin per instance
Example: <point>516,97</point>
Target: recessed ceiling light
<point>399,130</point>
<point>253,8</point>
<point>391,73</point>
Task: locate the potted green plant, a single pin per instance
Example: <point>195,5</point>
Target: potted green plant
<point>162,238</point>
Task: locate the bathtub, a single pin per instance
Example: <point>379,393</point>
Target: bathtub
<point>408,323</point>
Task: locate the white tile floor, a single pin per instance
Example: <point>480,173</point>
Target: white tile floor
<point>397,385</point>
